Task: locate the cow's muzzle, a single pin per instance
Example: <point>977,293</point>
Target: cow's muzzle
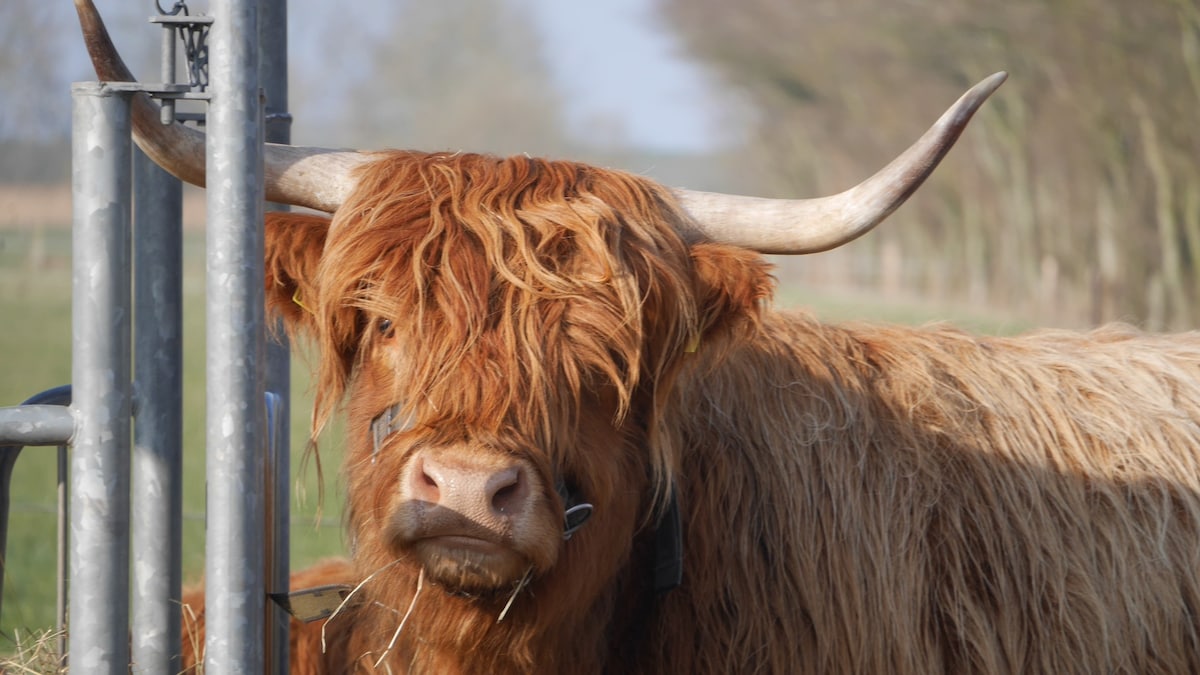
<point>477,521</point>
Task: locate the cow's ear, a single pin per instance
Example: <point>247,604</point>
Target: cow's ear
<point>294,242</point>
<point>731,286</point>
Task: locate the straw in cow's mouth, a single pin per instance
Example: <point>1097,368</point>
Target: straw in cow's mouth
<point>351,594</point>
<point>404,619</point>
<point>517,590</point>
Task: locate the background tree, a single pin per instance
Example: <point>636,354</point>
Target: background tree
<point>465,75</point>
<point>1076,195</point>
<point>28,43</point>
<point>40,55</point>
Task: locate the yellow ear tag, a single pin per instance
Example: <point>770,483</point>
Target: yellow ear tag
<point>693,345</point>
<point>301,305</point>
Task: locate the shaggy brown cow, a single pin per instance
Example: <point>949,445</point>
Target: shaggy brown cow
<point>512,337</point>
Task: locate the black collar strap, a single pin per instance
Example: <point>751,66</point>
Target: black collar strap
<point>668,547</point>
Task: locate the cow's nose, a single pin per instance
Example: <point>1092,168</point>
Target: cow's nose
<point>469,487</point>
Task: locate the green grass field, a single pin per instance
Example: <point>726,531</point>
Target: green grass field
<point>35,346</point>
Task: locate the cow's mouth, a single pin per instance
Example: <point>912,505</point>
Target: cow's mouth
<point>467,564</point>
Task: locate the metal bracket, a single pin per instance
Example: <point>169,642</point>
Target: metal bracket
<point>192,31</point>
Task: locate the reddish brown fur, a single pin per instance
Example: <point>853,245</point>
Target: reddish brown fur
<point>306,655</point>
<point>855,498</point>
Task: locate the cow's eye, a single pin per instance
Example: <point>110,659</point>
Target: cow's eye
<point>385,327</point>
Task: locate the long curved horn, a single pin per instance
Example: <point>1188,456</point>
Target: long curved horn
<point>318,178</point>
<point>792,226</point>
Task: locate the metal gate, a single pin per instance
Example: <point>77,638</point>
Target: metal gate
<point>124,497</point>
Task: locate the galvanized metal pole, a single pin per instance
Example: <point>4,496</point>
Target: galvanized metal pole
<point>273,44</point>
<point>101,390</point>
<point>236,424</point>
<point>158,420</point>
<point>61,566</point>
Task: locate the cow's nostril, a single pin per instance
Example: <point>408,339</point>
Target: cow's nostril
<point>425,483</point>
<point>502,497</point>
<point>506,488</point>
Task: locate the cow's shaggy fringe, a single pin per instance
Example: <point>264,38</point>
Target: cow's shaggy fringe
<point>856,499</point>
<point>526,283</point>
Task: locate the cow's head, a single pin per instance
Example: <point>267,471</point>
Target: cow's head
<point>504,333</point>
<point>510,328</point>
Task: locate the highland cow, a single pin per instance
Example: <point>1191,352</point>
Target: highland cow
<point>513,339</point>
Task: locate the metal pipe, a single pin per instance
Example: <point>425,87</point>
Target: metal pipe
<point>101,390</point>
<point>158,447</point>
<point>36,425</point>
<point>166,68</point>
<point>273,47</point>
<point>62,582</point>
<point>51,423</point>
<point>275,558</point>
<point>236,425</point>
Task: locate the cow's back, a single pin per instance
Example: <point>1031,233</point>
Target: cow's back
<point>866,499</point>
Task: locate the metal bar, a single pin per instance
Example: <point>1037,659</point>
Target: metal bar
<point>273,43</point>
<point>167,71</point>
<point>36,425</point>
<point>61,572</point>
<point>48,409</point>
<point>158,447</point>
<point>236,425</point>
<point>101,390</point>
<point>275,558</point>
